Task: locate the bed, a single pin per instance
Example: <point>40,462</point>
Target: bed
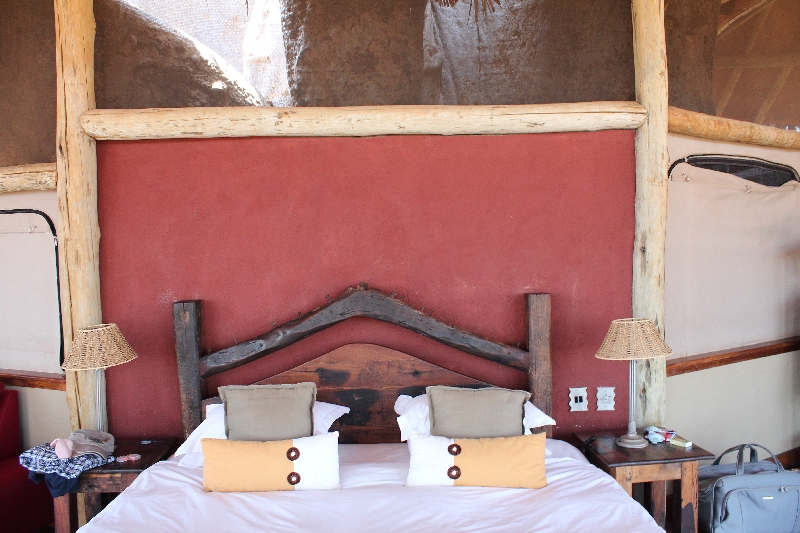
<point>373,463</point>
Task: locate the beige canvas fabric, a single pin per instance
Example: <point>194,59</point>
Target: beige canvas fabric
<point>476,413</point>
<point>269,412</point>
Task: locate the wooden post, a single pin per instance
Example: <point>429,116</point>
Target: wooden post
<point>187,319</point>
<point>652,165</point>
<point>538,311</point>
<point>76,166</point>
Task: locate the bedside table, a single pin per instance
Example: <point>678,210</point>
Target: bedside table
<point>110,478</point>
<point>654,465</point>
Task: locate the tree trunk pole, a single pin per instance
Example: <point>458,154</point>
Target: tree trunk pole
<point>76,167</point>
<point>652,165</point>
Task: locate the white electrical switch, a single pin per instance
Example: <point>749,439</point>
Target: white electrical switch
<point>605,398</point>
<point>578,399</point>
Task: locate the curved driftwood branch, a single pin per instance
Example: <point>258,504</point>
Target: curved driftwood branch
<point>361,302</point>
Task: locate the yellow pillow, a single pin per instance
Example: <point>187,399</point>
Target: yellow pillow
<point>514,462</point>
<point>308,463</point>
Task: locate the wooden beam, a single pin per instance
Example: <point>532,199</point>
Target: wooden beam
<point>652,165</point>
<point>758,61</point>
<point>676,367</point>
<point>76,164</point>
<point>187,319</point>
<point>361,302</point>
<point>206,122</point>
<point>725,129</point>
<point>37,177</point>
<point>33,380</point>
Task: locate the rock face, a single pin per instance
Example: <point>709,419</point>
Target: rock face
<point>691,28</point>
<point>534,51</point>
<point>359,52</point>
<point>138,64</point>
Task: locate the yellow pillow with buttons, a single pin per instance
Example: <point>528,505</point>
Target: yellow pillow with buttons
<point>513,462</point>
<point>307,463</point>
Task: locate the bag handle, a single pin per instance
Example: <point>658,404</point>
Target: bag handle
<point>753,456</point>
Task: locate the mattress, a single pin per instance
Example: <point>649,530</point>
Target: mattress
<point>169,497</point>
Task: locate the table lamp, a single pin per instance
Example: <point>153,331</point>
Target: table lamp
<point>97,348</point>
<point>631,339</point>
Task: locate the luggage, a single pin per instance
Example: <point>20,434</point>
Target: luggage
<point>753,497</point>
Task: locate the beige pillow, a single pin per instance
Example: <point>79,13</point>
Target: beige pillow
<point>309,463</point>
<point>476,413</point>
<point>269,412</point>
<point>515,462</point>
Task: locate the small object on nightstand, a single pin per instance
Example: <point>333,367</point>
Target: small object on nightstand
<point>680,441</point>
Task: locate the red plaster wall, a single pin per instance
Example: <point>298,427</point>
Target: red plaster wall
<point>263,229</point>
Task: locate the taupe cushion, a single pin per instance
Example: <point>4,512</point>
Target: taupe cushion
<point>269,412</point>
<point>476,413</point>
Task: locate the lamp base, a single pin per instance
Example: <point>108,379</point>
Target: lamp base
<point>632,440</point>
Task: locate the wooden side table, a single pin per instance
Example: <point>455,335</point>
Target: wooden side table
<point>110,478</point>
<point>654,465</point>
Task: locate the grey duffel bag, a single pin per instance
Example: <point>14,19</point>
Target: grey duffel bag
<point>753,497</point>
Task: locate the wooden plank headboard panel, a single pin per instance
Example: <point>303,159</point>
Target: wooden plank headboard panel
<point>193,367</point>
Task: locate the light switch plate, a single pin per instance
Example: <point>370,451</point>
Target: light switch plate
<point>605,398</point>
<point>578,399</point>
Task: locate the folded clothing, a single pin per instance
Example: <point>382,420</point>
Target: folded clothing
<point>43,459</point>
<point>57,485</point>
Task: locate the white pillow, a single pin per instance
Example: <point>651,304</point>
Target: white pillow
<point>213,427</point>
<point>415,416</point>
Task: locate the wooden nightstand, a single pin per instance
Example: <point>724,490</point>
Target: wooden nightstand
<point>654,465</point>
<point>113,477</point>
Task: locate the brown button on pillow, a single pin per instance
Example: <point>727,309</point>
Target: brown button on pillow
<point>476,413</point>
<point>269,412</point>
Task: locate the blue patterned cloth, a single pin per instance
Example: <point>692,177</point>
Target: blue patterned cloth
<point>43,459</point>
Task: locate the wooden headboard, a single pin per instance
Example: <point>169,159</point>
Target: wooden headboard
<point>365,377</point>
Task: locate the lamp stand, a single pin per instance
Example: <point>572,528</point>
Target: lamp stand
<point>632,439</point>
<point>100,398</point>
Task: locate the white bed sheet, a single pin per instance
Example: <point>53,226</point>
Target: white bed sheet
<point>169,497</point>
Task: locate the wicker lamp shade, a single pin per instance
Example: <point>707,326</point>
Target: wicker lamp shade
<point>633,338</point>
<point>98,346</point>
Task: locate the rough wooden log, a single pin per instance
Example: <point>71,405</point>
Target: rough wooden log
<point>361,302</point>
<point>725,129</point>
<point>76,163</point>
<point>541,372</point>
<point>652,165</point>
<point>187,318</point>
<point>132,124</point>
<point>37,177</point>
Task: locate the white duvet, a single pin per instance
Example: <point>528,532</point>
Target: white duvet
<point>169,497</point>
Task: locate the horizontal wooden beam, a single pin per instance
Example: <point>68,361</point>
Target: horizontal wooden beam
<point>33,380</point>
<point>209,122</point>
<point>758,61</point>
<point>725,129</point>
<point>703,361</point>
<point>37,177</point>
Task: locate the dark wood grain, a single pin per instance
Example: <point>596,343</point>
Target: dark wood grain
<point>361,302</point>
<point>610,455</point>
<point>33,380</point>
<point>684,509</point>
<point>187,318</point>
<point>368,379</point>
<point>703,361</point>
<point>66,519</point>
<point>540,371</point>
<point>655,497</point>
